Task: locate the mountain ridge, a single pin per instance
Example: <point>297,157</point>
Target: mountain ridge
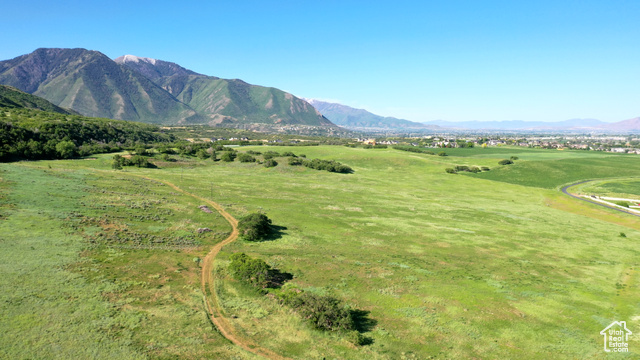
<point>150,90</point>
<point>343,115</point>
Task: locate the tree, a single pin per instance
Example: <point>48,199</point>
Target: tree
<point>141,150</point>
<point>65,149</point>
<point>117,162</point>
<point>254,227</point>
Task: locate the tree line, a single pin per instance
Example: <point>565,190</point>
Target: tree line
<point>38,135</point>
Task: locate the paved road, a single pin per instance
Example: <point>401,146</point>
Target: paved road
<point>564,190</point>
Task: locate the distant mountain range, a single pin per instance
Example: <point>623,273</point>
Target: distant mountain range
<point>149,90</point>
<point>630,125</point>
<point>353,118</point>
<point>521,125</point>
<point>361,119</point>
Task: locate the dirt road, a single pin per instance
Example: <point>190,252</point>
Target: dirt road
<point>211,301</point>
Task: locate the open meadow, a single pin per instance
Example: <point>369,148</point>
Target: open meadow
<point>106,263</point>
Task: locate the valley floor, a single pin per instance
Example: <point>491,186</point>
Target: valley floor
<point>107,264</point>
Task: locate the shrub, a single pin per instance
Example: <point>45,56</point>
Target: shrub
<point>254,152</point>
<point>255,272</point>
<point>294,161</point>
<point>356,338</point>
<point>270,163</point>
<point>254,227</point>
<point>202,154</point>
<point>228,156</point>
<point>139,161</point>
<point>245,158</point>
<point>514,158</point>
<point>328,165</point>
<point>474,169</point>
<point>484,168</point>
<point>141,150</point>
<point>442,153</point>
<point>323,312</point>
<point>450,171</point>
<point>270,155</point>
<point>288,153</point>
<point>505,162</point>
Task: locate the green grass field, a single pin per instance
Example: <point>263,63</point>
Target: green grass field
<point>443,266</point>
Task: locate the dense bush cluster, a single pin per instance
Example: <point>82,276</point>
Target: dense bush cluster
<point>245,158</point>
<point>328,165</point>
<point>254,227</point>
<point>465,168</point>
<point>136,160</point>
<point>413,149</point>
<point>35,135</point>
<point>322,312</point>
<point>505,162</point>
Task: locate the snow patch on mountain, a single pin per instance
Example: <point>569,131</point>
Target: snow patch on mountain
<point>133,58</point>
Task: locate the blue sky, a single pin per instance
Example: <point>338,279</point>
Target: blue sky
<point>420,60</point>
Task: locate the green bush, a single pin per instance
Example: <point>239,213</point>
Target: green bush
<point>270,163</point>
<point>505,162</point>
<point>270,154</point>
<point>442,153</point>
<point>328,165</point>
<point>450,171</point>
<point>294,161</point>
<point>254,272</point>
<point>254,227</point>
<point>323,312</point>
<point>228,156</point>
<point>356,338</point>
<point>245,158</point>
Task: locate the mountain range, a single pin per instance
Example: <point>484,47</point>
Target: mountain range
<point>360,119</point>
<point>149,90</point>
<point>353,118</point>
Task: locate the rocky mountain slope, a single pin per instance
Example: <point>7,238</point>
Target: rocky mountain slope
<point>149,90</point>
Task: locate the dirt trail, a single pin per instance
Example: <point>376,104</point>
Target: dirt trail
<point>208,282</point>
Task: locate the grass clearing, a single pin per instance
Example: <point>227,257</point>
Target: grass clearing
<point>492,265</point>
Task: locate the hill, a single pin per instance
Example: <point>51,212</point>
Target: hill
<point>35,135</point>
<point>624,125</point>
<point>349,117</point>
<point>149,90</point>
<point>11,97</point>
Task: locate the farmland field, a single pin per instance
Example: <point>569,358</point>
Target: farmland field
<point>497,264</point>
